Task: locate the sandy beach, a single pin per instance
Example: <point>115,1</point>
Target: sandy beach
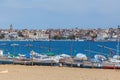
<point>21,72</point>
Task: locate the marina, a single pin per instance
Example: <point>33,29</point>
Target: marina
<point>50,54</point>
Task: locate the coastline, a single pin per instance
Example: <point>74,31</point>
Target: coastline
<point>62,40</point>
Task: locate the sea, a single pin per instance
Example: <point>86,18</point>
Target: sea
<point>90,48</point>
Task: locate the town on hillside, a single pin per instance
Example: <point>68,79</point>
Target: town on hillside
<point>110,34</point>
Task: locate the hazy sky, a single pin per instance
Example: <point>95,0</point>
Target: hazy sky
<point>43,14</point>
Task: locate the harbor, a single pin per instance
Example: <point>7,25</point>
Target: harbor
<point>59,40</point>
<point>50,53</point>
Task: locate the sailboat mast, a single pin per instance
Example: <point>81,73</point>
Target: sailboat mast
<point>71,48</point>
<point>118,40</point>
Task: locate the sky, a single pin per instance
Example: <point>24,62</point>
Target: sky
<point>45,14</point>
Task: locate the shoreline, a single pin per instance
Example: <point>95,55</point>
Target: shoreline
<point>61,40</point>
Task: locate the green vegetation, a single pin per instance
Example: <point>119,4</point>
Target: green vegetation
<point>71,37</point>
<point>59,37</point>
<point>2,36</point>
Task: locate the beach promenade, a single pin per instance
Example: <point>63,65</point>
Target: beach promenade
<point>21,72</point>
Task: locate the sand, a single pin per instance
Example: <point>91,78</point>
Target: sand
<point>21,72</point>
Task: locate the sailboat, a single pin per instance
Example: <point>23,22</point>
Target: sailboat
<point>114,62</point>
<point>117,56</point>
<point>4,59</point>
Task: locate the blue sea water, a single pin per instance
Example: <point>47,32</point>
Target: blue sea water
<point>58,47</point>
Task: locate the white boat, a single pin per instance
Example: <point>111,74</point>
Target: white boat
<point>112,60</point>
<point>1,53</point>
<point>43,58</point>
<point>116,57</point>
<point>14,44</point>
<point>65,55</point>
<point>81,56</point>
<point>100,57</point>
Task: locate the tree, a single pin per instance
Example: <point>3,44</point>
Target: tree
<point>57,37</point>
<point>20,34</point>
<point>71,37</point>
<point>35,34</point>
<point>2,36</point>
